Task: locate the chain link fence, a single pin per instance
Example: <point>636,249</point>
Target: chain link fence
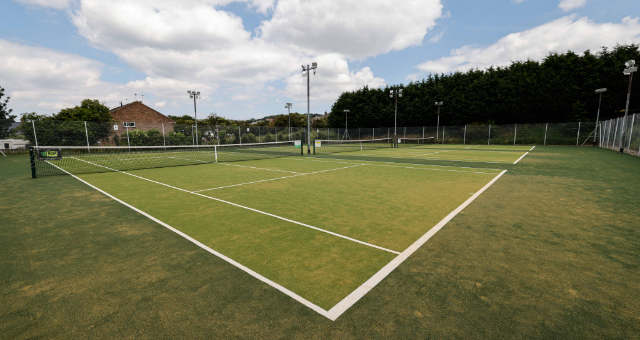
<point>612,134</point>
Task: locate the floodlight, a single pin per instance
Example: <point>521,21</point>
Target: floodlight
<point>314,64</point>
<point>601,90</point>
<point>303,68</point>
<point>304,75</point>
<point>630,63</point>
<point>626,72</point>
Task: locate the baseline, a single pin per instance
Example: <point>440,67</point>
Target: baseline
<point>361,291</point>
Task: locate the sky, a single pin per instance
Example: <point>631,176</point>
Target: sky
<point>245,57</point>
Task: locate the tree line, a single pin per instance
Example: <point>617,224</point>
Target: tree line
<point>559,88</point>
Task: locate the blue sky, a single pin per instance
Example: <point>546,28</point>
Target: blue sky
<point>245,56</point>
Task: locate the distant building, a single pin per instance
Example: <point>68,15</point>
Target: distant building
<point>13,144</point>
<point>136,115</point>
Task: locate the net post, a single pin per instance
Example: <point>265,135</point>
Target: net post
<point>32,159</point>
<point>87,134</point>
<point>215,150</point>
<point>314,147</point>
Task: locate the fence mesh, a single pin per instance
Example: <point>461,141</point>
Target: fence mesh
<point>612,134</point>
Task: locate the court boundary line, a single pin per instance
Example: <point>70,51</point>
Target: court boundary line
<point>521,157</point>
<point>359,160</point>
<point>273,179</point>
<point>341,307</point>
<point>346,303</point>
<point>229,260</point>
<point>252,209</point>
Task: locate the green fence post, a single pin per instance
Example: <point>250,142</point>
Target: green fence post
<point>32,158</point>
<point>314,147</point>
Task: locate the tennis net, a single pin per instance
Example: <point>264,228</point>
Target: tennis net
<point>333,146</point>
<point>415,141</point>
<point>60,160</point>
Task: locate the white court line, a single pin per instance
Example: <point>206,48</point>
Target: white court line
<point>532,148</point>
<point>516,162</point>
<point>352,298</point>
<point>240,184</point>
<point>361,291</point>
<point>318,159</point>
<point>253,167</point>
<point>273,179</point>
<point>284,290</point>
<point>252,209</point>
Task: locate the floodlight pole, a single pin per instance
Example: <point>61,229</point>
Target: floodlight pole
<point>195,95</point>
<point>628,71</point>
<point>288,107</point>
<point>346,125</point>
<point>438,104</point>
<point>313,67</point>
<point>595,136</point>
<point>396,93</point>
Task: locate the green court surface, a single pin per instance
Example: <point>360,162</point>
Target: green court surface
<point>381,205</point>
<point>477,242</point>
<point>469,153</point>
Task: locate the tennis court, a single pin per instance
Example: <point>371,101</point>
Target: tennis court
<point>322,230</point>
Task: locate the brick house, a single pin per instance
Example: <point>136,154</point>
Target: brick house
<point>136,115</point>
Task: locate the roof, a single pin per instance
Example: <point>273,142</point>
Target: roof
<point>117,109</point>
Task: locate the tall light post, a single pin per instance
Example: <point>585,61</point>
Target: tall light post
<point>595,136</point>
<point>346,125</point>
<point>195,95</point>
<point>627,72</point>
<point>396,93</point>
<point>288,107</point>
<point>313,67</point>
<point>438,104</point>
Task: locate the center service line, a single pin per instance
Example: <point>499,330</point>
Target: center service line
<point>254,210</point>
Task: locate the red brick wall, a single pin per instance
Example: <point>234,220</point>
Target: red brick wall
<point>145,118</point>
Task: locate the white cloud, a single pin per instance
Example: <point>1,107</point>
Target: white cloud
<point>56,4</point>
<point>567,5</point>
<point>332,78</point>
<point>38,77</point>
<point>436,38</point>
<point>160,104</point>
<point>567,33</point>
<point>351,28</point>
<point>196,45</point>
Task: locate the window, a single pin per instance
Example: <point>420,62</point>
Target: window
<point>6,145</point>
<point>129,124</point>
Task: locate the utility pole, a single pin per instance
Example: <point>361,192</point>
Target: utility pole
<point>396,93</point>
<point>627,72</point>
<point>438,125</point>
<point>346,126</point>
<point>313,67</point>
<point>195,95</point>
<point>595,135</point>
<point>288,107</point>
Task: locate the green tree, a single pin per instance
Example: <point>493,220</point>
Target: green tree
<point>5,115</point>
<point>558,88</point>
<point>89,110</point>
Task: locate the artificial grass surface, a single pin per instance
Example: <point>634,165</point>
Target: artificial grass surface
<point>385,206</point>
<point>551,250</point>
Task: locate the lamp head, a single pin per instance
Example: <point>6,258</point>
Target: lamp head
<point>314,64</point>
<point>630,63</point>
